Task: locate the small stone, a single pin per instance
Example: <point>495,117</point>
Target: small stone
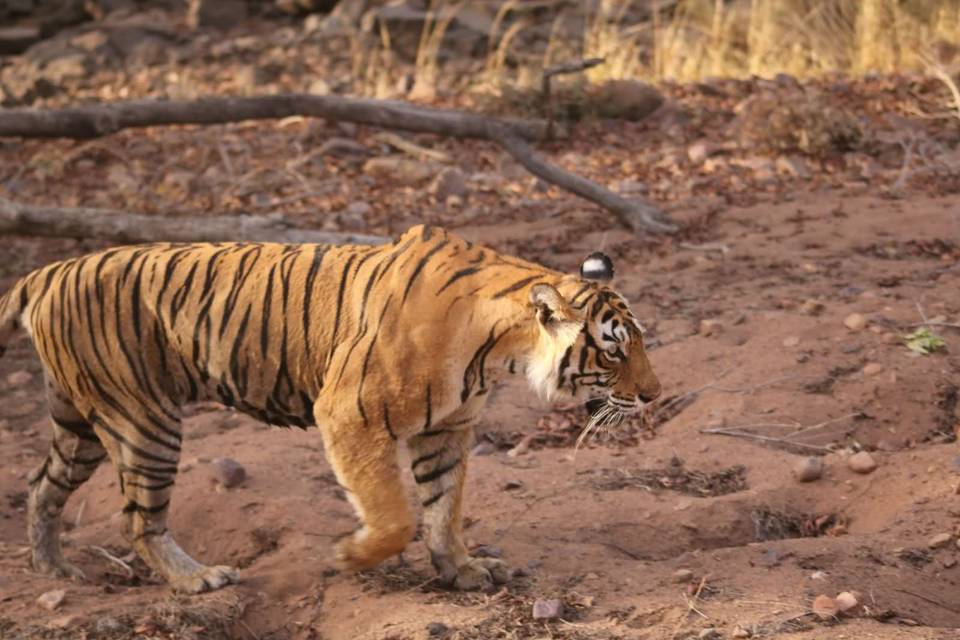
<point>792,166</point>
<point>855,322</point>
<point>710,327</point>
<point>699,151</point>
<point>229,473</point>
<point>52,599</point>
<point>949,563</point>
<point>846,601</point>
<point>547,609</point>
<point>792,341</point>
<point>19,378</point>
<point>890,338</point>
<point>512,485</point>
<point>740,632</point>
<point>435,629</point>
<point>808,469</point>
<point>825,607</point>
<point>861,462</point>
<point>484,449</point>
<point>811,307</point>
<point>682,575</point>
<point>940,540</point>
<point>819,575</point>
<point>872,369</point>
<point>487,551</point>
<point>449,182</point>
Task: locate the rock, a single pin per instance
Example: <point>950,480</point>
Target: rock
<point>855,322</point>
<point>710,327</point>
<point>872,369</point>
<point>709,634</point>
<point>808,469</point>
<point>215,13</point>
<point>846,601</point>
<point>487,551</point>
<point>740,632</point>
<point>512,485</point>
<point>627,99</point>
<point>435,629</point>
<point>228,473</point>
<point>682,575</point>
<point>792,166</point>
<point>401,171</point>
<point>792,341</point>
<point>52,599</point>
<point>700,151</point>
<point>890,338</point>
<point>547,609</point>
<point>449,182</point>
<point>940,540</point>
<point>825,607</point>
<point>484,449</point>
<point>811,307</point>
<point>861,462</point>
<point>353,216</point>
<point>19,378</point>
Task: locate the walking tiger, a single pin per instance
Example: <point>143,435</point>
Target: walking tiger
<point>377,346</point>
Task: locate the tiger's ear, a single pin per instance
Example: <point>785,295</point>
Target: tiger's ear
<point>553,312</point>
<point>597,266</point>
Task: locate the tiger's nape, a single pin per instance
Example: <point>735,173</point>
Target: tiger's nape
<point>377,346</point>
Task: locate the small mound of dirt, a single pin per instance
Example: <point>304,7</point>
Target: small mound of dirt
<point>673,478</point>
<point>769,524</point>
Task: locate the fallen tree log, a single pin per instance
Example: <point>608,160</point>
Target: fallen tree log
<point>130,228</point>
<point>103,119</point>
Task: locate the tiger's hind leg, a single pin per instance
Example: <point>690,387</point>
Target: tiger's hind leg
<point>146,459</point>
<point>74,455</point>
<point>439,463</point>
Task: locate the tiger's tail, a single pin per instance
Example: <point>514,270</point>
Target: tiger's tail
<point>12,304</point>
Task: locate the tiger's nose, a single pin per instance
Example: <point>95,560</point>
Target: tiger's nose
<point>649,395</point>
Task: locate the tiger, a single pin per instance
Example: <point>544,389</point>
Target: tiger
<point>378,347</point>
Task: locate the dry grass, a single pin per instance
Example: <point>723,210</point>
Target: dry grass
<point>682,40</point>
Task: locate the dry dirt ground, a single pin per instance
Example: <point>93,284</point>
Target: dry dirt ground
<point>605,530</point>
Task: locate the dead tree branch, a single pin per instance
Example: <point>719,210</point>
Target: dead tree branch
<point>92,121</point>
<point>123,227</point>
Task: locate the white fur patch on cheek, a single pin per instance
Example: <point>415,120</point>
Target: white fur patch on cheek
<point>544,363</point>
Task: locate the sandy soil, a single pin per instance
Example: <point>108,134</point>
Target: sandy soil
<point>605,530</point>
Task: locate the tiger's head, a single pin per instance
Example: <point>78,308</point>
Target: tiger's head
<point>590,344</point>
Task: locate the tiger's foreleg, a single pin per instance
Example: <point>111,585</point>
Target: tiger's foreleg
<point>365,463</point>
<point>146,458</point>
<point>74,455</point>
<point>439,462</point>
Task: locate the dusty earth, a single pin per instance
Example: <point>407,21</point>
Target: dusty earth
<point>745,311</point>
<point>604,530</point>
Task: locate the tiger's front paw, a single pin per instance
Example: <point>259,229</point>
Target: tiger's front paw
<point>480,574</point>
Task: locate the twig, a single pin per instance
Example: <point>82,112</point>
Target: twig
<point>112,558</point>
<point>757,436</point>
<point>692,602</point>
<point>936,323</point>
<point>545,94</point>
<point>76,521</point>
<point>248,630</point>
<point>927,599</point>
<point>410,148</point>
